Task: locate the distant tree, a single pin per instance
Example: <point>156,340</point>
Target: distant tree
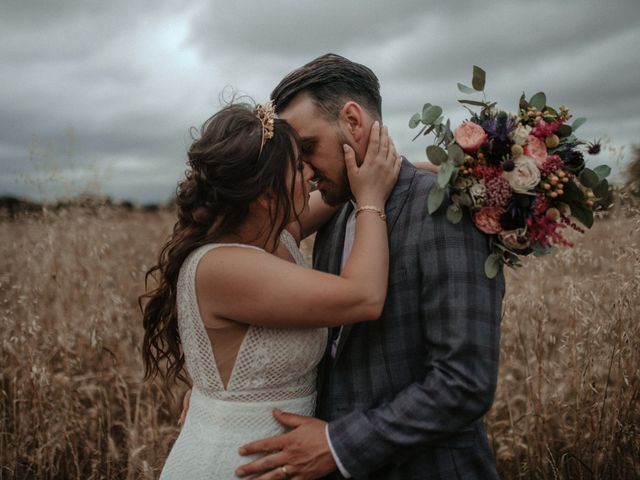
<point>633,172</point>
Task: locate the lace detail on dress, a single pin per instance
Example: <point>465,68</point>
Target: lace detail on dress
<point>274,368</point>
<point>271,364</point>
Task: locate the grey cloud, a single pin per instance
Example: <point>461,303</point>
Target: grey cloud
<point>128,79</point>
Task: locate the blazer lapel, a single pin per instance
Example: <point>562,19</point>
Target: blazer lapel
<point>394,205</point>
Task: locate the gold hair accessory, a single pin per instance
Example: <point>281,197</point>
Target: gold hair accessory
<point>266,113</point>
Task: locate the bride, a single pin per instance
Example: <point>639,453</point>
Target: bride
<point>235,304</point>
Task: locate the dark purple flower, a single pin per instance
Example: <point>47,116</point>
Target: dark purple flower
<point>594,147</point>
<point>499,126</point>
<point>572,158</point>
<point>516,213</point>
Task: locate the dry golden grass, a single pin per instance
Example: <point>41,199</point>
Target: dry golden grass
<point>73,406</point>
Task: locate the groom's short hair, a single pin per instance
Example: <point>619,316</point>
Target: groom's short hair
<point>331,80</point>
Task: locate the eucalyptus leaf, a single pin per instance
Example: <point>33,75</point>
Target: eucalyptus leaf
<point>539,101</point>
<point>603,171</point>
<point>578,122</point>
<point>564,130</point>
<point>573,194</point>
<point>415,120</point>
<point>464,89</point>
<point>478,80</point>
<point>523,104</point>
<point>602,190</point>
<point>583,214</point>
<point>436,155</point>
<point>473,102</point>
<point>456,155</point>
<point>465,200</point>
<point>425,107</point>
<point>435,198</point>
<point>454,213</point>
<point>589,178</point>
<point>444,174</point>
<point>492,265</point>
<point>431,114</point>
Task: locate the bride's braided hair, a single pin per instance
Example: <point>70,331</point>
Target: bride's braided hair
<point>228,170</point>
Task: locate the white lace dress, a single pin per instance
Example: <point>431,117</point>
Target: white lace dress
<point>273,368</point>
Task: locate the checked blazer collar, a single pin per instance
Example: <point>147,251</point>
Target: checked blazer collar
<point>335,241</point>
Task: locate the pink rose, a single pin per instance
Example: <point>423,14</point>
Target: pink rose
<point>536,149</point>
<point>469,136</point>
<point>487,219</point>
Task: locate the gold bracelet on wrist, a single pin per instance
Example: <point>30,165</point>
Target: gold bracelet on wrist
<point>371,208</point>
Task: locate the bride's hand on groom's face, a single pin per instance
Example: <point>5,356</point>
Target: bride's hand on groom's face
<point>372,181</point>
<point>303,452</point>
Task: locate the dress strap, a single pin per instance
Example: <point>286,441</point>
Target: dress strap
<point>287,239</point>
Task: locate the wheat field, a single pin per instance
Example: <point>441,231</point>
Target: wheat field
<point>72,404</point>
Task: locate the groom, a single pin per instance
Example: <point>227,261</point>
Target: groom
<point>403,397</point>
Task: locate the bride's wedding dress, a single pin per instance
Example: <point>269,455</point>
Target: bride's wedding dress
<point>273,368</point>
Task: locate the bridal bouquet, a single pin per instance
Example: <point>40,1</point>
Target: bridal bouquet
<point>521,176</point>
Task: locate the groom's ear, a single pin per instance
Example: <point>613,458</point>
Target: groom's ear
<point>352,117</point>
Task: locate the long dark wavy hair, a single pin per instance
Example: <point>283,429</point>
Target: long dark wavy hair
<point>227,172</point>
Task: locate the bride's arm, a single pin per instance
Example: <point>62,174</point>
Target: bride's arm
<point>258,288</point>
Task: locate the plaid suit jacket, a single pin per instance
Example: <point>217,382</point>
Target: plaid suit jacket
<point>405,395</point>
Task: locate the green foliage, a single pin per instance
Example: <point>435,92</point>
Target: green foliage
<point>538,101</point>
<point>492,265</point>
<point>464,89</point>
<point>602,189</point>
<point>603,171</point>
<point>479,77</point>
<point>436,155</point>
<point>415,120</point>
<point>564,131</point>
<point>577,123</point>
<point>430,114</point>
<point>589,178</point>
<point>454,213</point>
<point>435,199</point>
<point>473,102</point>
<point>447,169</point>
<point>456,155</point>
<point>582,213</point>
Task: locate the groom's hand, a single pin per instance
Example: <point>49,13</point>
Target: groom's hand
<point>303,452</point>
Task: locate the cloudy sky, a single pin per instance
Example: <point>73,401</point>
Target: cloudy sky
<point>100,95</point>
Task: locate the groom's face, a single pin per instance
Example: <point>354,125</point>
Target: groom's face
<point>322,142</point>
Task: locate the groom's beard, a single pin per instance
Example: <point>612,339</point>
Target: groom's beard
<point>338,192</point>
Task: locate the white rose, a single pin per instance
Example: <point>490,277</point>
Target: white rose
<point>520,135</point>
<point>525,176</point>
